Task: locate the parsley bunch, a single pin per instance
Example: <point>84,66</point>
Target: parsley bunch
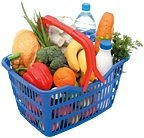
<point>123,46</point>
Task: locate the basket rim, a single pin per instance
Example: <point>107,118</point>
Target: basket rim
<point>6,64</point>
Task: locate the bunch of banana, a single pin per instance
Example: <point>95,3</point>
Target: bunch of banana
<point>71,53</point>
<point>76,58</point>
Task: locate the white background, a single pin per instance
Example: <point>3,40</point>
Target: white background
<point>126,117</point>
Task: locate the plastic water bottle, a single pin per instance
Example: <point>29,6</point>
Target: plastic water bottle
<point>104,57</point>
<point>85,22</point>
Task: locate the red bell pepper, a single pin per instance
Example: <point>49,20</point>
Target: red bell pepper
<point>39,75</point>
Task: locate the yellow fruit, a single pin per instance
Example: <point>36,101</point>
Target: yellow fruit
<point>82,64</point>
<point>82,61</point>
<point>71,55</point>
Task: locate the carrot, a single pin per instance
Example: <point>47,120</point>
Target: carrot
<point>105,29</point>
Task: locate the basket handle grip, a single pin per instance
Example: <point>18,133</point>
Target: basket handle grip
<point>84,41</point>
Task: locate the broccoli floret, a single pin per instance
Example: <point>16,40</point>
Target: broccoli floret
<point>53,52</point>
<point>57,63</point>
<point>42,55</point>
<point>52,57</point>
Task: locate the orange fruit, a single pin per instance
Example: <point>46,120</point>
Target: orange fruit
<point>64,76</point>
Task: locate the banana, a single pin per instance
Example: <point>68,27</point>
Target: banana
<point>82,64</point>
<point>82,61</point>
<point>71,55</point>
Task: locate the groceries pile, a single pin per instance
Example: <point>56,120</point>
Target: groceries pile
<point>49,58</point>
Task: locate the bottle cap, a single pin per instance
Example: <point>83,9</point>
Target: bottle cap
<point>86,7</point>
<point>106,45</point>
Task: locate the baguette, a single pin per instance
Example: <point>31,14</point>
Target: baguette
<point>105,29</point>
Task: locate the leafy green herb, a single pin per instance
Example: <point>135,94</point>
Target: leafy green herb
<point>38,28</point>
<point>123,46</point>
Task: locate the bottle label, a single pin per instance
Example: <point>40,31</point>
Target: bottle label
<point>89,33</point>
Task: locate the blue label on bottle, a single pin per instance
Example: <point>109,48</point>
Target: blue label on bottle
<point>92,37</point>
<point>90,34</point>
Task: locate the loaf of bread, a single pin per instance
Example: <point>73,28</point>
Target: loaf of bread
<point>27,44</point>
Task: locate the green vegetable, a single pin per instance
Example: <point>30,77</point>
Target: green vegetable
<point>53,57</point>
<point>123,46</point>
<point>57,62</point>
<point>42,55</point>
<point>13,56</point>
<point>21,69</point>
<point>38,28</point>
<point>54,52</point>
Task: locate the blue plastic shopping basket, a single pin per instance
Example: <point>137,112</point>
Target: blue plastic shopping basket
<point>57,110</point>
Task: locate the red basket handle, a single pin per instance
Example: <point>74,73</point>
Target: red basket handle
<point>85,42</point>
